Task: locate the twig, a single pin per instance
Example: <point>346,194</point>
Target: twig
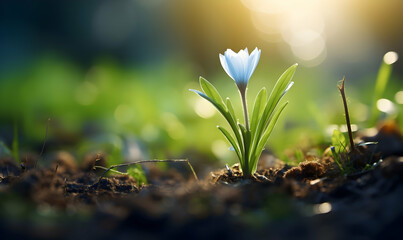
<point>111,170</point>
<point>147,161</point>
<point>343,96</point>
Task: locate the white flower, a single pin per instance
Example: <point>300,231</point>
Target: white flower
<point>240,66</point>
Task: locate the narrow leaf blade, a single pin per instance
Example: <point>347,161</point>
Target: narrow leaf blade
<point>232,141</point>
<point>231,109</point>
<point>262,141</point>
<point>211,92</point>
<point>258,107</point>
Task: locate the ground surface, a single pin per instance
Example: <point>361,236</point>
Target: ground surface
<point>310,201</point>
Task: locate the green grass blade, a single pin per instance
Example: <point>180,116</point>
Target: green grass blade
<point>381,81</point>
<point>211,92</point>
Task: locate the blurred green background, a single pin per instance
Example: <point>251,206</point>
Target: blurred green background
<point>113,76</point>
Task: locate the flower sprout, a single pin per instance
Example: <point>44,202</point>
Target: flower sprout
<point>247,141</point>
<point>240,66</point>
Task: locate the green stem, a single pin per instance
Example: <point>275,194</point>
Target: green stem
<point>245,109</point>
<point>247,171</point>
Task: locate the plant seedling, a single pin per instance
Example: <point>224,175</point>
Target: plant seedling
<point>356,157</point>
<point>340,86</point>
<point>248,139</point>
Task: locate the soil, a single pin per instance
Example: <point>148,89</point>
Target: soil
<point>310,201</point>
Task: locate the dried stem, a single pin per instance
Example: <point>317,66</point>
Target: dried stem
<point>343,96</point>
<point>148,161</point>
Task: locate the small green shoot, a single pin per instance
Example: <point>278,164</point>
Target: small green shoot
<point>339,141</point>
<point>339,150</point>
<point>137,172</point>
<point>351,159</point>
<point>337,159</point>
<point>248,140</point>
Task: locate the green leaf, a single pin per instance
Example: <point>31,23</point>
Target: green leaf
<point>258,107</point>
<point>211,92</point>
<point>137,172</point>
<point>245,135</point>
<point>282,85</point>
<point>262,141</point>
<point>275,97</point>
<point>227,117</point>
<point>232,141</point>
<point>246,144</point>
<point>231,110</point>
<point>339,141</point>
<point>283,82</point>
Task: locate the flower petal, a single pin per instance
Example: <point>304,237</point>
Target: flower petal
<point>224,65</point>
<point>240,66</point>
<point>243,55</point>
<point>234,65</point>
<point>253,61</point>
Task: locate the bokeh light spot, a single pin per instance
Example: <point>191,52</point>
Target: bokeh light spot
<point>149,133</point>
<point>322,208</point>
<point>204,109</point>
<point>390,57</point>
<point>173,126</point>
<point>385,105</point>
<point>399,97</point>
<point>124,114</point>
<point>220,148</point>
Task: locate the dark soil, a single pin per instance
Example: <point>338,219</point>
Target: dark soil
<point>310,201</point>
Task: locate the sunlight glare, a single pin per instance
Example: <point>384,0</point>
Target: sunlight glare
<point>390,57</point>
<point>385,105</point>
<point>307,44</point>
<point>300,24</point>
<point>344,129</point>
<point>322,208</point>
<point>399,97</point>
